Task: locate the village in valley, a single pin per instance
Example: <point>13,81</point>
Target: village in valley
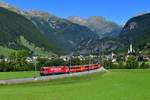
<point>74,50</point>
<point>85,59</point>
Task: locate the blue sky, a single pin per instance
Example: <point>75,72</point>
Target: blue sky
<point>118,11</point>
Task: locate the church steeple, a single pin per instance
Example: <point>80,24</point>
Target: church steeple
<point>130,50</point>
<point>131,47</point>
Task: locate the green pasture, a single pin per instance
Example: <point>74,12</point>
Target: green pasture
<point>13,75</point>
<point>112,85</point>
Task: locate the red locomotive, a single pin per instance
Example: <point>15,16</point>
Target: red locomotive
<point>66,69</point>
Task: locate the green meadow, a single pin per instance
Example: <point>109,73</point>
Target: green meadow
<point>14,75</point>
<point>111,85</point>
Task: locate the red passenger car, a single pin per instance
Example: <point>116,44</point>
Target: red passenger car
<point>66,69</point>
<point>53,70</point>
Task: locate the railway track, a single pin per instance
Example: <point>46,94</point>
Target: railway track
<point>46,78</point>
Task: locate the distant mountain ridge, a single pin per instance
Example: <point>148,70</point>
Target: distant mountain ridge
<point>62,36</point>
<point>43,33</point>
<point>64,33</point>
<point>98,24</point>
<point>135,31</point>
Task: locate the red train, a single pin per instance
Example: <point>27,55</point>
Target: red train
<point>66,69</point>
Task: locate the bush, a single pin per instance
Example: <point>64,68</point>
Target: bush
<point>121,65</point>
<point>108,64</point>
<point>144,66</point>
<point>131,63</point>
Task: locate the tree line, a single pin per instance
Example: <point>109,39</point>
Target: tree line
<point>17,62</point>
<point>130,63</point>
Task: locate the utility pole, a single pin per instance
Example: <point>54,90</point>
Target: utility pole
<point>92,57</point>
<point>89,59</point>
<point>70,61</point>
<point>102,54</point>
<point>99,53</point>
<point>35,67</point>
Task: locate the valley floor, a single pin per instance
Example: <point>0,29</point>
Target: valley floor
<point>14,75</point>
<point>111,85</point>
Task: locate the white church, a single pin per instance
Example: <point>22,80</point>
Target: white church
<point>131,50</point>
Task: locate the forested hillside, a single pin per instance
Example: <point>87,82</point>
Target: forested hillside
<point>137,31</point>
<point>64,33</point>
<point>14,26</point>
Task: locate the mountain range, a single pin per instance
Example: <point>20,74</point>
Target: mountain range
<point>136,32</point>
<point>38,32</point>
<point>63,33</point>
<point>98,24</point>
<point>41,33</point>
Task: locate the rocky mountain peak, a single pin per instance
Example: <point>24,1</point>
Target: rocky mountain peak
<point>98,24</point>
<point>77,20</point>
<point>39,13</point>
<point>96,19</point>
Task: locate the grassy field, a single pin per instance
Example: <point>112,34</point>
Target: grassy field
<point>112,85</point>
<point>12,75</point>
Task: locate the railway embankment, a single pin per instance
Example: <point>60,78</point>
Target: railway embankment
<point>47,78</point>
